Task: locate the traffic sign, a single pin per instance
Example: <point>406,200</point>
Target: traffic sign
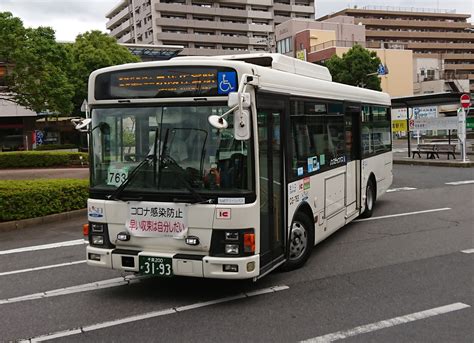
<point>465,101</point>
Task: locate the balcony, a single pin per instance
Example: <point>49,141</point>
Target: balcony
<point>127,38</point>
<point>212,25</point>
<point>119,18</point>
<point>119,30</point>
<point>438,46</point>
<point>413,23</point>
<point>460,66</point>
<point>279,7</point>
<point>210,52</point>
<point>211,39</point>
<point>420,35</point>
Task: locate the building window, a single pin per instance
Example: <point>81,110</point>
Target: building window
<point>284,46</point>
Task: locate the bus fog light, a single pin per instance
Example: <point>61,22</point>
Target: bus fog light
<point>232,249</point>
<point>123,236</point>
<point>231,268</point>
<point>192,240</point>
<point>94,257</point>
<point>250,266</point>
<point>97,240</point>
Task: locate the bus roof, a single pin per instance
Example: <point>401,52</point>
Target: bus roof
<point>276,73</point>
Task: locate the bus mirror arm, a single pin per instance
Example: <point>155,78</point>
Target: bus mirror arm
<point>238,102</point>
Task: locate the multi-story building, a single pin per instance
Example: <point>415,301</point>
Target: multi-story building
<point>317,41</point>
<point>442,42</point>
<point>204,27</point>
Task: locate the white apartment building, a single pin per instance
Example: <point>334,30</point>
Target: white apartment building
<point>205,27</point>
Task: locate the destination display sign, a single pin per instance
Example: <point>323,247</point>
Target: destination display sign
<point>165,82</point>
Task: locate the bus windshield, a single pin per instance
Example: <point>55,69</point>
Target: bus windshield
<point>167,149</point>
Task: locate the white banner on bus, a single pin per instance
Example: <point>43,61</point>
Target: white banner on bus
<point>446,123</point>
<point>163,220</point>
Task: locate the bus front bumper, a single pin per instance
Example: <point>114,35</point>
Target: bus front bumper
<point>183,265</point>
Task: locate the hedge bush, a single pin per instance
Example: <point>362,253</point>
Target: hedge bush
<point>35,159</point>
<point>55,147</point>
<point>21,199</point>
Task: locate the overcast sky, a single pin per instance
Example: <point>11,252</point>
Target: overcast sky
<point>72,17</point>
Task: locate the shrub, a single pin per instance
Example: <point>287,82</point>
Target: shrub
<point>55,147</point>
<point>35,159</point>
<point>21,199</point>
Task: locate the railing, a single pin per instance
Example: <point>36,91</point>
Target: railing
<point>407,9</point>
<point>350,44</point>
<point>336,43</point>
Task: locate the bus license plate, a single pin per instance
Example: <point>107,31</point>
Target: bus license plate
<point>157,266</point>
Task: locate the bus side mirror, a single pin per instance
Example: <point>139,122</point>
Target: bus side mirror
<point>241,115</point>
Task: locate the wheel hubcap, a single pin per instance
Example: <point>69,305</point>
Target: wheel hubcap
<point>298,241</point>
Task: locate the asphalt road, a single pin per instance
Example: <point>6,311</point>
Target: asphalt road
<point>401,278</point>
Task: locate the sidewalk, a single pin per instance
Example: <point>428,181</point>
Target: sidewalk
<point>46,173</point>
<point>401,157</point>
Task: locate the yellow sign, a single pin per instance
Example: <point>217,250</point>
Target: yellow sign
<point>301,55</point>
<point>399,126</point>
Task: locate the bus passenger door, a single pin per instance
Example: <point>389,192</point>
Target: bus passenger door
<point>353,172</point>
<point>272,193</point>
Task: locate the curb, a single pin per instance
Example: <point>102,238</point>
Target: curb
<point>26,223</point>
<point>469,164</point>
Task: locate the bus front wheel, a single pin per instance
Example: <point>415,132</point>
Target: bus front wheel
<point>369,199</point>
<point>301,242</point>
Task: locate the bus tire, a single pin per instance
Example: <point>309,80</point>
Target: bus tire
<point>370,198</point>
<point>300,243</point>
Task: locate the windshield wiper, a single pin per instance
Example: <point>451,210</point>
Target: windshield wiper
<point>150,157</point>
<point>115,195</point>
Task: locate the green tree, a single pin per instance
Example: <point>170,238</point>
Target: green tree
<point>36,76</point>
<point>357,67</point>
<point>93,50</point>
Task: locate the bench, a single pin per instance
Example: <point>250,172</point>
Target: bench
<point>433,150</point>
<point>429,149</point>
<point>447,149</point>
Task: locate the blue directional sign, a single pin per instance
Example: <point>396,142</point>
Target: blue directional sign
<point>382,69</point>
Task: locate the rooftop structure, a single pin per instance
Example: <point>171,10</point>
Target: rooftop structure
<point>204,27</point>
<point>442,42</point>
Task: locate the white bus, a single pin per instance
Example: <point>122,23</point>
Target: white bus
<point>228,166</point>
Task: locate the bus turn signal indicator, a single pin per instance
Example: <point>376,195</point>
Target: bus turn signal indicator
<point>249,242</point>
<point>85,229</point>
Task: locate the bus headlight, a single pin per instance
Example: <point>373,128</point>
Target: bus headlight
<point>232,249</point>
<point>97,240</point>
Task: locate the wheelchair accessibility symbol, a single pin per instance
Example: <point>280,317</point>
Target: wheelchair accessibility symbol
<point>227,82</point>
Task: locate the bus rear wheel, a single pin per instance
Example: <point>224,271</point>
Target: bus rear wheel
<point>369,199</point>
<point>301,241</point>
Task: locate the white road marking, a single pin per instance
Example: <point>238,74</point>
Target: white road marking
<point>468,251</point>
<point>44,246</point>
<point>120,281</point>
<point>400,189</point>
<point>456,183</point>
<point>403,214</point>
<point>153,314</point>
<point>387,323</point>
<point>42,268</point>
